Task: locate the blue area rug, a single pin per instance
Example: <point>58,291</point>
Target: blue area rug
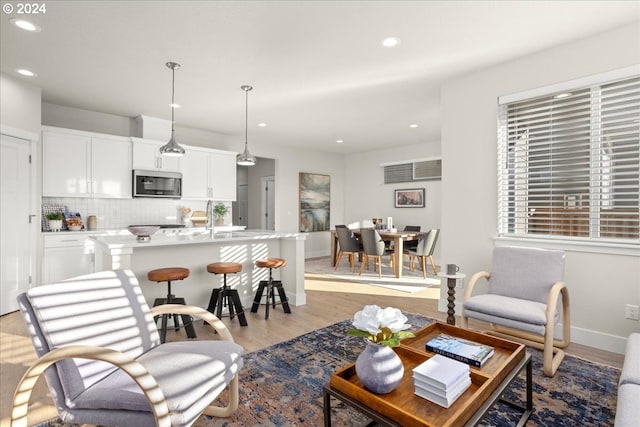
<point>282,386</point>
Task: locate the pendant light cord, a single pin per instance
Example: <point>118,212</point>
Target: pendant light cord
<point>173,95</point>
<point>246,117</point>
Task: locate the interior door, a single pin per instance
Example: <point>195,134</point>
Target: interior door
<point>268,202</point>
<point>241,210</point>
<point>17,223</point>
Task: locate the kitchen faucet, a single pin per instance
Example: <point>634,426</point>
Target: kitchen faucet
<point>210,213</point>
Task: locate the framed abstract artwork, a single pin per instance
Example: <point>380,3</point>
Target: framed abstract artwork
<point>409,198</point>
<point>315,202</point>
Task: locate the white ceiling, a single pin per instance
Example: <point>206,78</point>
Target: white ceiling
<point>317,67</point>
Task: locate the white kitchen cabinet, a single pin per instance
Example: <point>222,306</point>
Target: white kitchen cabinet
<point>195,174</point>
<point>81,164</point>
<point>222,176</point>
<point>65,165</point>
<point>66,255</point>
<point>208,174</point>
<point>146,156</point>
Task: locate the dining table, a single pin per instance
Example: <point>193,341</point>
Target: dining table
<point>396,237</point>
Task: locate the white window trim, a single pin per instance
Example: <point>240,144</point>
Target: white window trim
<point>552,242</point>
<point>623,247</point>
<point>571,84</point>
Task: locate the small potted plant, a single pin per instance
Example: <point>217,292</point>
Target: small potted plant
<point>219,211</point>
<point>55,220</point>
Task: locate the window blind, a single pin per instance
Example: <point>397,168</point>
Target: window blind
<point>569,163</point>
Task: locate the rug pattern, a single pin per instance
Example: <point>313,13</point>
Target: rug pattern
<point>282,386</point>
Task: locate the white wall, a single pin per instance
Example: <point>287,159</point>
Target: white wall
<point>20,104</point>
<point>600,285</point>
<point>289,163</point>
<point>366,195</point>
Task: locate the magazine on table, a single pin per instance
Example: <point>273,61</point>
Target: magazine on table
<point>466,351</point>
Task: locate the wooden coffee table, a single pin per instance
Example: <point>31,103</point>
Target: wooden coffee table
<point>403,408</point>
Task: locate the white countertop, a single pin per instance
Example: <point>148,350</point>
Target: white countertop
<point>125,232</point>
<point>172,237</point>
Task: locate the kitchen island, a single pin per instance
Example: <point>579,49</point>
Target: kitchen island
<point>194,250</point>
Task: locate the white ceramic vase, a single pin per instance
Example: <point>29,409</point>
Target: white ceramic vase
<point>379,368</point>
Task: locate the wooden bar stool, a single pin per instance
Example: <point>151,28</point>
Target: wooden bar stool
<point>226,296</point>
<point>271,263</point>
<point>168,275</point>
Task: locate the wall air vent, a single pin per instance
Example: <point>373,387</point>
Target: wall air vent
<point>412,171</point>
<point>428,170</point>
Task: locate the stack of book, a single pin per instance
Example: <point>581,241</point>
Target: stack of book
<point>460,349</point>
<point>441,380</point>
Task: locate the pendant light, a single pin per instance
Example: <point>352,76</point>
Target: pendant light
<point>172,148</point>
<point>246,158</point>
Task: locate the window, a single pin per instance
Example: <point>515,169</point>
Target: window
<point>569,161</point>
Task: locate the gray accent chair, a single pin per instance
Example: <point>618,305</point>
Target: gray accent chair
<point>524,289</point>
<point>101,355</point>
<point>424,251</point>
<point>349,244</point>
<point>374,247</point>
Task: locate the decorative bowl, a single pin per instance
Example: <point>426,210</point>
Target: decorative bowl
<point>143,232</point>
<point>74,227</point>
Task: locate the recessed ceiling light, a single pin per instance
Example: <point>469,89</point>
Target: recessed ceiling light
<point>25,25</point>
<point>562,95</point>
<point>262,125</point>
<point>390,42</point>
<point>26,72</point>
<point>339,141</point>
<point>413,125</point>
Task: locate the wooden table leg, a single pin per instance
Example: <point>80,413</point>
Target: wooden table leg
<point>334,247</point>
<point>398,246</point>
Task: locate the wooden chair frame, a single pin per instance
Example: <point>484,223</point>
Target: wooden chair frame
<point>130,366</point>
<point>377,263</point>
<point>423,263</point>
<point>551,346</point>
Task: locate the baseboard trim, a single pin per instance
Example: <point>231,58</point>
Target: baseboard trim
<point>599,340</point>
<point>582,336</point>
<point>317,254</point>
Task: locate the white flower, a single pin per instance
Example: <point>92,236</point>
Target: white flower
<point>381,326</point>
<point>393,319</point>
<point>371,318</point>
<point>368,320</point>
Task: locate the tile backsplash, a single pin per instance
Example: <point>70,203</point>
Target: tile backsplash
<point>114,214</point>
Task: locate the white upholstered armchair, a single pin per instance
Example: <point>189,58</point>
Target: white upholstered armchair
<point>100,351</point>
<point>525,286</point>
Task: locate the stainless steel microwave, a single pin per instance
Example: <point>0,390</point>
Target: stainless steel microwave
<point>159,184</point>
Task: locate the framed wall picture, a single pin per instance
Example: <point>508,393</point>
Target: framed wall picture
<point>315,202</point>
<point>409,198</point>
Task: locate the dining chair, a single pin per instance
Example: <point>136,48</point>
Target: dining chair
<point>424,251</point>
<point>411,244</point>
<point>373,246</point>
<point>349,244</point>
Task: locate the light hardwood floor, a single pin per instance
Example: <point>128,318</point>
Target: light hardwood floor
<point>328,301</point>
